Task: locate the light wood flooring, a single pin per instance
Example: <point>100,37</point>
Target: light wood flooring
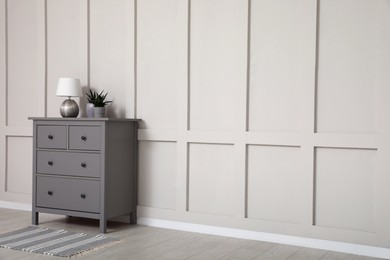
<point>142,242</point>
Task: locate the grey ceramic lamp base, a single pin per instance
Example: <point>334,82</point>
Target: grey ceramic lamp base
<point>69,108</point>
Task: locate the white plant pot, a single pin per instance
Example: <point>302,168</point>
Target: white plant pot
<point>89,109</point>
<point>99,112</point>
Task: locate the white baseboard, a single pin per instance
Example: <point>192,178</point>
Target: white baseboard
<point>245,234</point>
<point>15,205</point>
<point>269,237</point>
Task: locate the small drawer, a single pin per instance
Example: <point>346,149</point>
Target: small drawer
<point>68,193</point>
<point>67,163</point>
<point>84,137</point>
<point>52,137</point>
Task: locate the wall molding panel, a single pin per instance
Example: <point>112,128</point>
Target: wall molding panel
<point>263,116</point>
<point>337,209</point>
<point>3,91</point>
<point>348,44</point>
<point>278,109</point>
<point>157,181</point>
<point>215,70</point>
<point>15,170</point>
<point>111,27</point>
<point>67,47</point>
<point>25,56</point>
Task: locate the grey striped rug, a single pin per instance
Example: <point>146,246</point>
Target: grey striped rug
<point>52,242</point>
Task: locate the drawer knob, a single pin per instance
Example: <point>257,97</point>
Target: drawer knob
<point>51,137</point>
<point>84,165</point>
<point>50,163</point>
<point>83,196</point>
<point>84,138</point>
<point>50,193</point>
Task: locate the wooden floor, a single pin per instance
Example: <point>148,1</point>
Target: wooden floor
<point>142,242</point>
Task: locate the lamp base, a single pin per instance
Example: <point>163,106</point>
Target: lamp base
<point>69,108</point>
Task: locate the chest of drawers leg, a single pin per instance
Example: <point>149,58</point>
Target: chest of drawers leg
<point>85,168</point>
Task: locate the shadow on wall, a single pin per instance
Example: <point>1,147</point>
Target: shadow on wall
<point>114,111</point>
<point>83,102</point>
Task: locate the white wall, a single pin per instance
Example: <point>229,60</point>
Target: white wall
<point>266,115</point>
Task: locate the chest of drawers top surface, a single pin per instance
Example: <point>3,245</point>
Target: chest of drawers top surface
<point>85,119</point>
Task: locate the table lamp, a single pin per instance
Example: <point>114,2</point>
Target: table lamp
<point>69,87</point>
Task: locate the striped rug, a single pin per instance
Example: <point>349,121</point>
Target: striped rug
<point>52,242</point>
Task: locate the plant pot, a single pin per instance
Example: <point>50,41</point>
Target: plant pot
<point>99,112</point>
<point>89,109</point>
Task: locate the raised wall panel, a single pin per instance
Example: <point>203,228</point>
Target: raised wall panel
<point>157,174</point>
<point>218,62</point>
<point>348,65</point>
<point>3,63</point>
<point>112,53</point>
<point>281,64</point>
<point>19,165</point>
<point>345,188</point>
<point>158,54</point>
<point>26,61</point>
<point>211,179</point>
<point>67,48</point>
<point>274,183</point>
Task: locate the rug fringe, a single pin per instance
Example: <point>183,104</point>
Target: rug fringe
<point>89,250</point>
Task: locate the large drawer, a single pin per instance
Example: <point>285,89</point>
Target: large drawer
<point>51,136</point>
<point>84,137</point>
<point>68,193</point>
<point>68,163</point>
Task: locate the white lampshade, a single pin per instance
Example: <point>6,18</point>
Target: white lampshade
<point>69,87</point>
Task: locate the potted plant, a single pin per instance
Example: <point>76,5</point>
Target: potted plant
<point>91,97</point>
<point>99,102</point>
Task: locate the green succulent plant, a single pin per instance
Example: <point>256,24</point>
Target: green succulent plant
<point>97,99</point>
<point>91,96</point>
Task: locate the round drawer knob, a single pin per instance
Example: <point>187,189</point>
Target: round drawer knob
<point>50,163</point>
<point>51,137</point>
<point>83,196</point>
<point>84,138</point>
<point>50,193</point>
<point>84,165</point>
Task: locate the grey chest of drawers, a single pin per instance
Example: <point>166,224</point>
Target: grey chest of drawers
<point>85,167</point>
